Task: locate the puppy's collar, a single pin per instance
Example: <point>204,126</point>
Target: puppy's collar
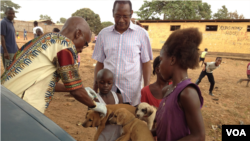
<point>128,122</point>
<point>145,116</point>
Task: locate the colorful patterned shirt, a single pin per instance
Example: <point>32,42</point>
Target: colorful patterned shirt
<point>123,54</point>
<point>38,65</point>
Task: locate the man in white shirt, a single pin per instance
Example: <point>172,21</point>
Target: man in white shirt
<point>35,28</point>
<point>208,70</point>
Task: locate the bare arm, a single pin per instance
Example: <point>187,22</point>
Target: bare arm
<point>60,88</point>
<point>120,98</point>
<point>98,67</point>
<point>190,103</point>
<point>205,65</point>
<point>6,54</point>
<point>146,67</point>
<point>153,131</point>
<point>82,96</point>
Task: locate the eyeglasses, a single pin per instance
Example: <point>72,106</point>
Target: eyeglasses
<point>124,17</point>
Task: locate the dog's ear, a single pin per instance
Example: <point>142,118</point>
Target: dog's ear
<point>86,115</point>
<point>96,121</point>
<point>111,115</point>
<point>149,111</point>
<point>120,118</point>
<point>136,109</point>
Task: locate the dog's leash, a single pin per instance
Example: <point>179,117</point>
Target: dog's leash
<point>128,122</point>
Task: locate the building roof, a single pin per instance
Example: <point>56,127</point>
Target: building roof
<point>59,23</point>
<point>41,21</point>
<point>166,21</point>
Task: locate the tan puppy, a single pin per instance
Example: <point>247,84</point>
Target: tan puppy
<point>132,127</point>
<point>146,112</point>
<point>93,119</point>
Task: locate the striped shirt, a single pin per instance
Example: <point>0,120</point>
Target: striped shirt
<point>123,54</point>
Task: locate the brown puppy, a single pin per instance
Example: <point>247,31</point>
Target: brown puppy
<point>93,119</point>
<point>132,127</point>
<point>147,113</point>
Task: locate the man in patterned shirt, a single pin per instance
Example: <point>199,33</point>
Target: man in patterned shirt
<point>124,48</point>
<point>40,63</point>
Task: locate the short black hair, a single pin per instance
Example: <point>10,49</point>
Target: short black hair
<point>56,30</point>
<point>218,58</point>
<point>102,71</point>
<point>156,63</point>
<point>205,49</point>
<point>35,23</point>
<point>122,2</point>
<point>8,9</point>
<point>184,45</point>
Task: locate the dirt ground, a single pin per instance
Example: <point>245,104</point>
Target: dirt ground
<point>230,105</point>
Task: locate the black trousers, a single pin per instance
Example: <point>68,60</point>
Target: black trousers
<point>210,79</point>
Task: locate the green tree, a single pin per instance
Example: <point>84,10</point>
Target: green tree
<point>63,20</point>
<point>221,13</point>
<point>45,17</point>
<point>106,24</point>
<point>205,11</point>
<point>6,4</point>
<point>92,19</point>
<point>174,10</point>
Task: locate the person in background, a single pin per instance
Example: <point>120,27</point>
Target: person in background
<point>36,27</point>
<point>8,38</point>
<point>208,71</point>
<point>38,32</point>
<point>152,94</point>
<point>248,75</point>
<point>17,34</point>
<point>128,57</point>
<point>25,35</point>
<point>203,55</point>
<point>56,30</point>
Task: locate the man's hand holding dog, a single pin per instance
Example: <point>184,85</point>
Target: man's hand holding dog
<point>100,107</point>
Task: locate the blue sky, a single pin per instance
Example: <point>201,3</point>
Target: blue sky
<point>32,9</point>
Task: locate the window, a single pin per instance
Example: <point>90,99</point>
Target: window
<point>145,27</point>
<point>174,27</point>
<point>211,27</point>
<point>248,28</point>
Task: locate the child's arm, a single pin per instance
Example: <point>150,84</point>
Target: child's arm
<point>190,103</point>
<point>153,131</point>
<point>205,65</point>
<point>120,98</point>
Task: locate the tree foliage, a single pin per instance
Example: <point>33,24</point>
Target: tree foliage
<point>235,15</point>
<point>6,4</point>
<point>174,10</point>
<point>106,24</point>
<point>92,19</point>
<point>224,14</point>
<point>63,20</point>
<point>221,13</point>
<point>45,17</point>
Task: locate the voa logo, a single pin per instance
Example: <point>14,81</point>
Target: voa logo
<point>236,132</point>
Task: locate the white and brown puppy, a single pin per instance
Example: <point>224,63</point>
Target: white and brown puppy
<point>132,128</point>
<point>146,112</point>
